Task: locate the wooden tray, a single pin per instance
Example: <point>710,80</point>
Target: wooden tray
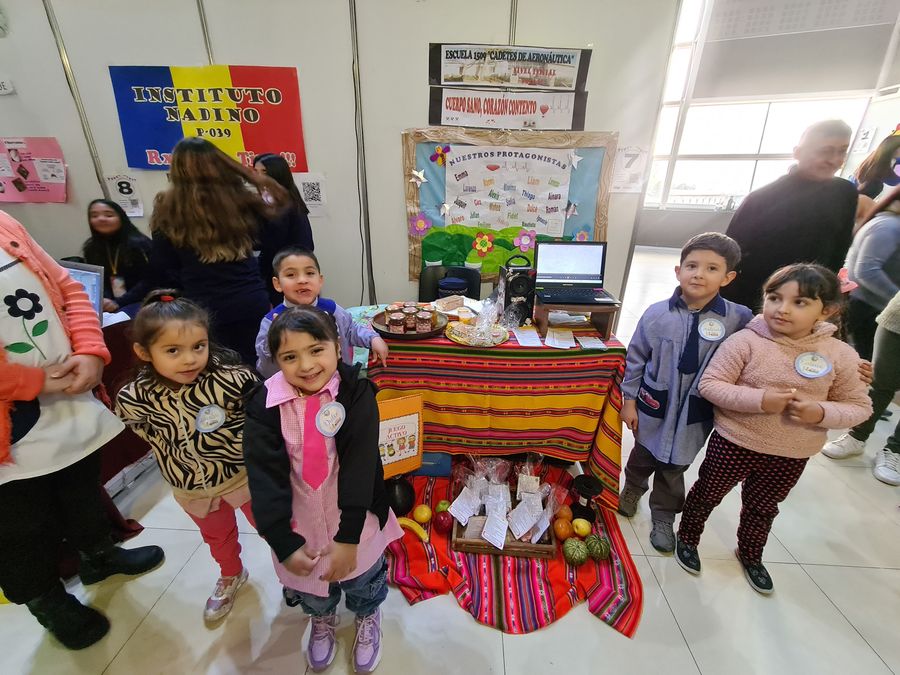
<point>379,323</point>
<point>468,540</point>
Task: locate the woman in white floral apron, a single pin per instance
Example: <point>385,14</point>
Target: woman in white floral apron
<point>51,356</point>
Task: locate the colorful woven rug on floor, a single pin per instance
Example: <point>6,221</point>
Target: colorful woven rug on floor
<point>517,595</point>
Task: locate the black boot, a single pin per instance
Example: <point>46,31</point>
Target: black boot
<point>70,622</point>
<point>108,560</point>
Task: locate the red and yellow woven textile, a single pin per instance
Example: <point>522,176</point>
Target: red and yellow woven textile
<point>510,399</point>
<point>517,595</point>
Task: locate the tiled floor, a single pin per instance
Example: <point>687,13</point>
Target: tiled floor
<point>834,555</point>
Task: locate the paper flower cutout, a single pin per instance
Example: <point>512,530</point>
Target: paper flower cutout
<point>418,177</point>
<point>583,235</point>
<point>484,242</point>
<point>440,154</point>
<point>574,158</point>
<point>525,240</point>
<point>419,224</point>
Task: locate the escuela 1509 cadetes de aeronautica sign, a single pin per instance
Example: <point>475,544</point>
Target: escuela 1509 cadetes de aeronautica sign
<point>244,110</point>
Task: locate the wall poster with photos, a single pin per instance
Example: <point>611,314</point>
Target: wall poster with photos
<point>476,197</point>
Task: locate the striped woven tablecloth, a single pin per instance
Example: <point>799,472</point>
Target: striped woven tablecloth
<point>509,399</point>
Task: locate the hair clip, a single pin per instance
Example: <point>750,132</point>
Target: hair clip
<point>166,298</point>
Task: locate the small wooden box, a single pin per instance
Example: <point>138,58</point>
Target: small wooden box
<point>467,539</point>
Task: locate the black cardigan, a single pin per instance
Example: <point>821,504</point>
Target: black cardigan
<point>360,476</point>
<point>133,252</point>
<point>789,221</point>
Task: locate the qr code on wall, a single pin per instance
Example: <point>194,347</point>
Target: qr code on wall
<point>312,189</point>
<point>312,193</point>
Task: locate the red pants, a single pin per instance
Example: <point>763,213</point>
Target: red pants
<point>220,532</point>
<point>767,480</point>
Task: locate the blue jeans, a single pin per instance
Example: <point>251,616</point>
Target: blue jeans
<point>365,593</point>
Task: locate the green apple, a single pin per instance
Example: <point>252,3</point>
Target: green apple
<point>443,505</point>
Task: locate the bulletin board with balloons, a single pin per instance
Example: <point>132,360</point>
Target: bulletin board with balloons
<point>476,197</point>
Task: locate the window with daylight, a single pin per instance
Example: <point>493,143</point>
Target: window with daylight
<point>710,153</point>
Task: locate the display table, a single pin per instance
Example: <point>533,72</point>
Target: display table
<point>512,399</point>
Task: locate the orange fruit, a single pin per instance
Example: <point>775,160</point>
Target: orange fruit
<point>564,512</point>
<point>562,528</point>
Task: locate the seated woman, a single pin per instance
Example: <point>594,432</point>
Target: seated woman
<point>120,249</point>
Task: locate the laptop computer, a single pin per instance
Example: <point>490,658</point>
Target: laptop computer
<point>571,273</point>
<point>89,276</point>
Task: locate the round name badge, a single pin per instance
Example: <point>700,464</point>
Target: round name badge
<point>330,418</point>
<point>812,365</point>
<point>712,330</point>
<point>210,418</point>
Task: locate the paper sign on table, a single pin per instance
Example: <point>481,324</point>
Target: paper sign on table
<point>527,336</point>
<point>494,530</point>
<point>559,338</point>
<point>465,505</point>
<point>590,342</point>
<point>540,527</point>
<point>527,483</point>
<point>522,518</point>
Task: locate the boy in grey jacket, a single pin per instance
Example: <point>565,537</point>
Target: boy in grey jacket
<point>673,343</point>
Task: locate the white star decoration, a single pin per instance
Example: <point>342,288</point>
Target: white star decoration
<point>574,159</point>
<point>445,209</point>
<point>418,177</point>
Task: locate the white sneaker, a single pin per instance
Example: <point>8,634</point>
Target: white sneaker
<point>222,599</point>
<point>887,467</point>
<point>843,447</point>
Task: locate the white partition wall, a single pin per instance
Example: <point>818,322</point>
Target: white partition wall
<point>630,41</point>
<point>393,59</point>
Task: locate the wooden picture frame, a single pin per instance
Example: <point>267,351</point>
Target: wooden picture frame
<point>400,434</point>
<point>513,138</point>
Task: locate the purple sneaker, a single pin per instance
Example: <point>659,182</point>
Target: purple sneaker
<point>367,648</point>
<point>322,647</point>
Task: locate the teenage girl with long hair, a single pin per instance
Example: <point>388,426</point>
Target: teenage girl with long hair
<point>122,250</point>
<point>206,227</point>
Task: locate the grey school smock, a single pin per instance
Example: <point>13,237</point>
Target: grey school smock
<point>673,419</point>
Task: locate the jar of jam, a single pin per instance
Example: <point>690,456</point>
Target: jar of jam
<point>409,314</point>
<point>397,323</point>
<point>423,322</point>
<point>410,303</point>
<point>394,307</point>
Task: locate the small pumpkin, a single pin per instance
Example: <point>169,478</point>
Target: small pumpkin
<point>575,552</point>
<point>598,547</point>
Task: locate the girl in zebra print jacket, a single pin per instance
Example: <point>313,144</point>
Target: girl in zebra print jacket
<point>186,402</point>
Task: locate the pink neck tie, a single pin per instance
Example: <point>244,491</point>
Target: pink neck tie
<point>315,454</point>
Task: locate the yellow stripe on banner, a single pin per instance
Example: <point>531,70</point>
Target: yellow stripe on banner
<point>510,413</point>
<point>208,109</point>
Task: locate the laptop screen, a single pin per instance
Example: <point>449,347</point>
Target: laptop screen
<point>570,262</point>
<point>91,277</point>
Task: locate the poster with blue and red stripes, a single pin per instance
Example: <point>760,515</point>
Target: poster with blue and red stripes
<point>244,110</point>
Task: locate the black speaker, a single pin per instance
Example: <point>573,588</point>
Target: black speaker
<point>515,285</point>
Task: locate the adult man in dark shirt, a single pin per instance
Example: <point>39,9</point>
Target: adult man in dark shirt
<point>805,216</point>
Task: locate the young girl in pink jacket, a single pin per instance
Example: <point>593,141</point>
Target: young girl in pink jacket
<point>776,385</point>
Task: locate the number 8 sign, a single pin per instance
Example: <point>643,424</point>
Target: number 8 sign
<point>123,190</point>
